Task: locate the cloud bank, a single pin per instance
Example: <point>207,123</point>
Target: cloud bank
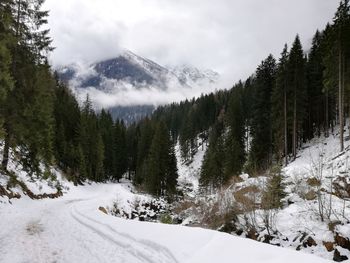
<point>228,36</point>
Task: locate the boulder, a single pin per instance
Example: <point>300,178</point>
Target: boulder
<point>103,210</point>
<point>309,242</point>
<point>342,241</point>
<point>337,257</point>
<point>329,246</point>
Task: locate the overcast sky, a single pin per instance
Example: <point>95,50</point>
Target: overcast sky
<point>229,36</point>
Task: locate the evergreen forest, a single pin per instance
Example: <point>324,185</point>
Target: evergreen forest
<point>258,123</point>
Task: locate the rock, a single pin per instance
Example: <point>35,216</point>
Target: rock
<point>252,234</point>
<point>339,258</point>
<point>103,210</point>
<point>329,246</point>
<point>333,224</point>
<point>267,239</point>
<point>341,187</point>
<point>309,242</point>
<point>342,241</point>
<point>228,227</point>
<point>239,232</point>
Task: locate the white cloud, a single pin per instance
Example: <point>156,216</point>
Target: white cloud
<point>229,36</point>
<point>122,93</point>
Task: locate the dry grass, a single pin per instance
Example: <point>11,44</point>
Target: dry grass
<point>313,182</point>
<point>310,195</point>
<point>246,197</point>
<point>183,206</point>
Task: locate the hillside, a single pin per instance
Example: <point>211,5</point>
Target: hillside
<point>318,175</point>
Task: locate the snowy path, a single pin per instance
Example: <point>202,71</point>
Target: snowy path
<point>59,231</point>
<point>71,229</point>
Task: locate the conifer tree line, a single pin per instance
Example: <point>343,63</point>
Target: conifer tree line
<point>260,122</point>
<point>284,104</point>
<point>263,121</point>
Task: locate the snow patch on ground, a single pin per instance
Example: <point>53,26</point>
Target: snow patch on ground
<point>189,172</point>
<point>48,182</point>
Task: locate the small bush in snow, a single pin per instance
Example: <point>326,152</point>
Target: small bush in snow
<point>166,219</point>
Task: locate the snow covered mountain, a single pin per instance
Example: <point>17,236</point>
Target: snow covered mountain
<point>129,82</point>
<point>129,68</point>
<point>193,76</point>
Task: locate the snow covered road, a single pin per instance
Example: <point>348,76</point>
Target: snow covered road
<point>72,229</point>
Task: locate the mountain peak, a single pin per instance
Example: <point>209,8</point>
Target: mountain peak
<point>131,69</point>
<point>195,76</point>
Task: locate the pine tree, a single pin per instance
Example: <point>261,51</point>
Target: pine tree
<point>342,24</point>
<point>37,131</point>
<point>187,137</point>
<point>275,190</point>
<point>106,127</point>
<point>234,142</point>
<point>261,149</point>
<point>6,81</point>
<point>91,142</point>
<point>120,155</point>
<point>315,121</point>
<point>296,73</point>
<point>212,172</point>
<point>67,148</point>
<point>30,71</point>
<point>330,83</point>
<point>132,137</point>
<point>161,176</point>
<point>280,107</point>
<point>143,148</point>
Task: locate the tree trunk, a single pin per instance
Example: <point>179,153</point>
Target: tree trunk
<point>340,102</point>
<point>326,125</point>
<point>5,156</point>
<point>295,127</point>
<point>19,3</point>
<point>344,95</point>
<point>285,128</point>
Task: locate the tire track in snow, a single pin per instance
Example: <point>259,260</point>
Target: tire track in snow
<point>142,250</point>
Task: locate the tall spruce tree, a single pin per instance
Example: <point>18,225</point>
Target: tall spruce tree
<point>161,176</point>
<point>280,107</point>
<point>91,142</point>
<point>106,127</point>
<point>330,76</point>
<point>297,82</point>
<point>24,112</point>
<point>316,99</point>
<point>212,172</point>
<point>132,137</point>
<point>234,142</point>
<point>6,81</point>
<point>342,31</point>
<point>143,148</point>
<point>120,155</point>
<point>261,149</point>
<point>67,148</point>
